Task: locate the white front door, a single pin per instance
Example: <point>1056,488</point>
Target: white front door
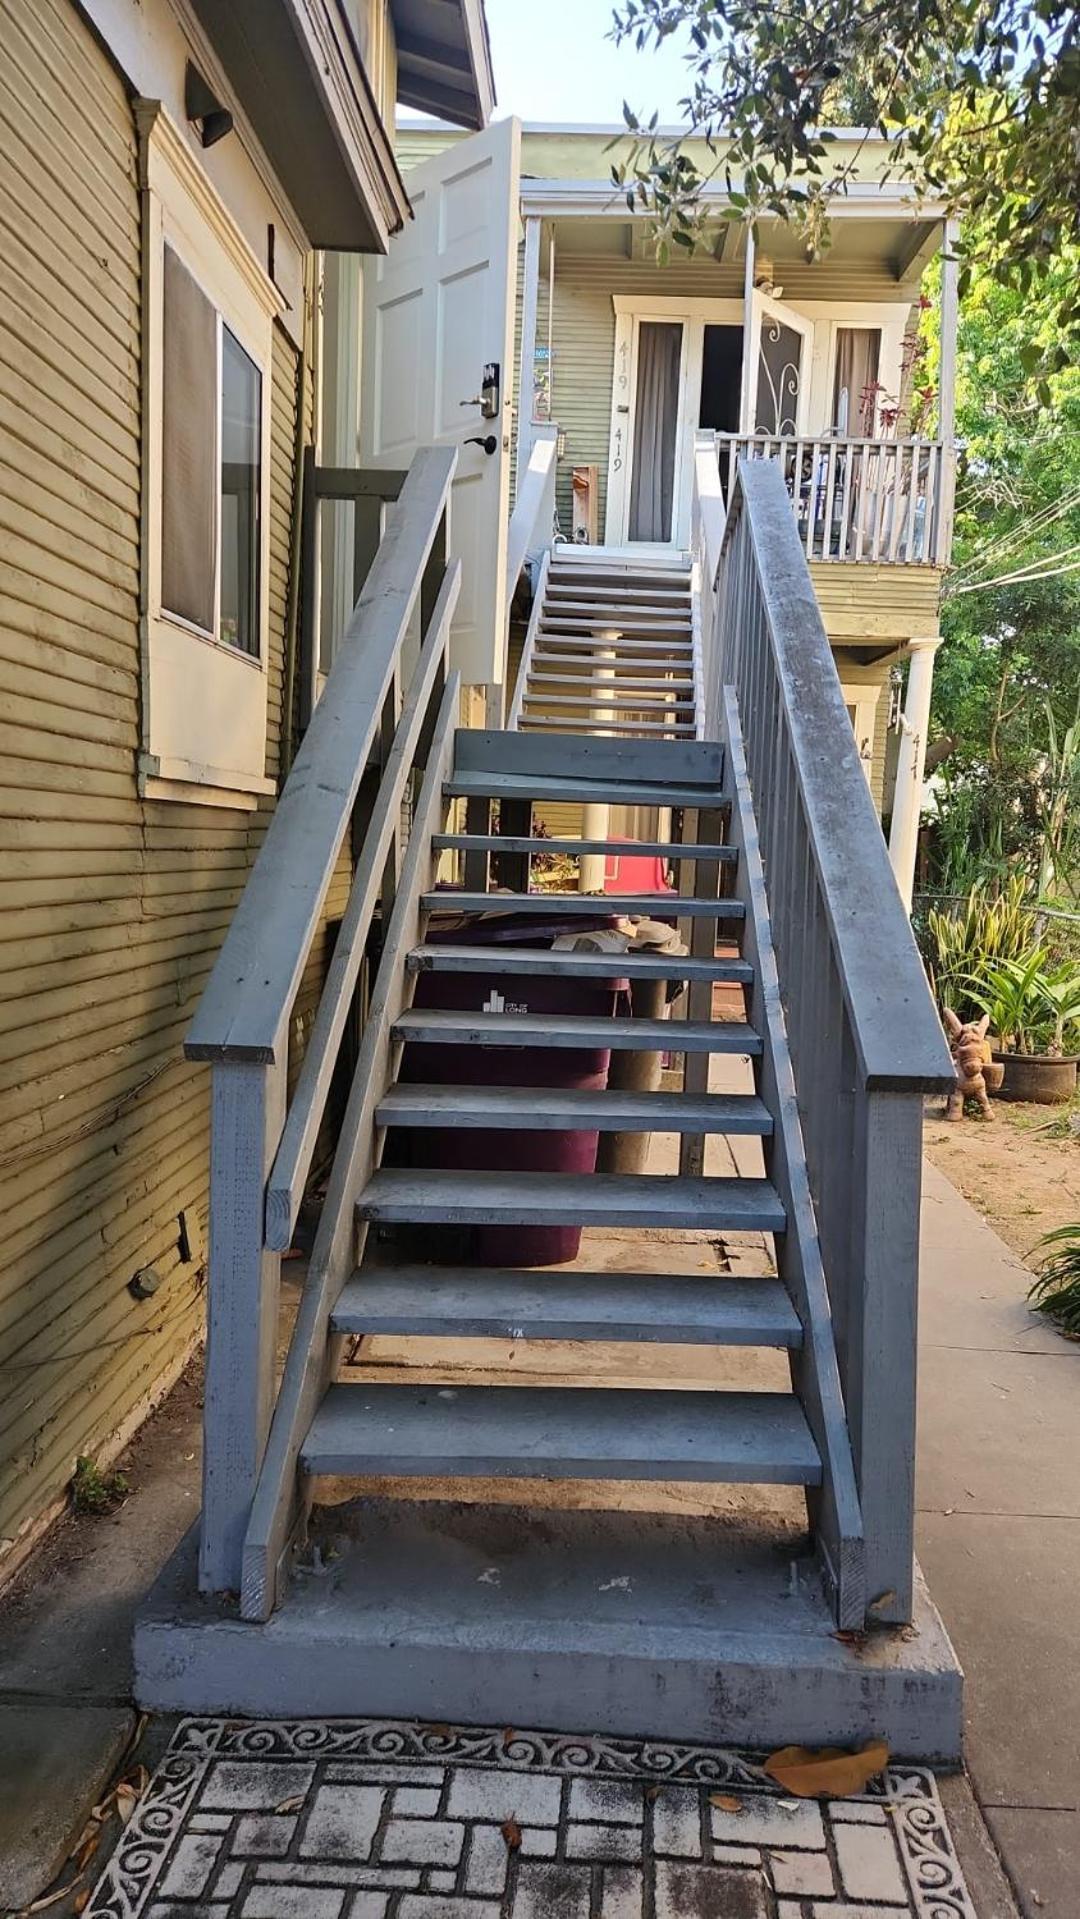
<point>438,338</point>
<point>776,369</point>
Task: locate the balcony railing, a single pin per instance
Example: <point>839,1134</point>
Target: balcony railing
<point>884,501</point>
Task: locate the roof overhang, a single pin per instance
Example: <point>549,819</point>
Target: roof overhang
<point>444,60</point>
<point>896,225</point>
<point>297,73</point>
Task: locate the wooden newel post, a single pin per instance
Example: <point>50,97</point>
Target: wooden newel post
<point>881,1340</point>
<point>247,1116</point>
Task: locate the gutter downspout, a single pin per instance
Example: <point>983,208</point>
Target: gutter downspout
<point>296,529</point>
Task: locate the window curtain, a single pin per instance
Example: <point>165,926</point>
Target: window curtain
<point>854,390</point>
<point>652,491</point>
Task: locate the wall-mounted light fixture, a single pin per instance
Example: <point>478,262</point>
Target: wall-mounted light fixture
<point>204,109</point>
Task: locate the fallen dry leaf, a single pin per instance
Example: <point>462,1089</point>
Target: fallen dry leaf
<point>439,1729</point>
<point>828,1772</point>
<point>291,1805</point>
<point>509,1736</point>
<point>726,1802</point>
<point>81,1900</point>
<point>511,1832</point>
<point>652,1794</point>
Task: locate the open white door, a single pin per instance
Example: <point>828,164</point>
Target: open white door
<point>776,369</point>
<point>436,363</point>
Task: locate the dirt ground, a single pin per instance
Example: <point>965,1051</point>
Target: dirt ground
<point>1022,1169</point>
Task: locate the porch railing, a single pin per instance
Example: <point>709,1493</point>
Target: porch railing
<point>886,501</point>
<point>530,537</point>
<point>355,766</point>
<point>864,1038</point>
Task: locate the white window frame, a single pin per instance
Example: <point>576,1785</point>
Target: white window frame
<point>694,315</point>
<point>204,700</point>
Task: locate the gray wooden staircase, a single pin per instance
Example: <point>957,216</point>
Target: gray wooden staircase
<point>450,1578</point>
<point>611,646</point>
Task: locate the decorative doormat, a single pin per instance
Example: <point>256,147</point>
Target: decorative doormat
<point>380,1819</point>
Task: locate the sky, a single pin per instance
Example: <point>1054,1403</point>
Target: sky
<point>553,61</point>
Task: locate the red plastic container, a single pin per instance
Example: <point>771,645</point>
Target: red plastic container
<point>483,1149</point>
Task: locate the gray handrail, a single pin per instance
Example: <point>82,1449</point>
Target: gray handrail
<point>862,1033</point>
<point>244,1009</point>
<point>897,1034</point>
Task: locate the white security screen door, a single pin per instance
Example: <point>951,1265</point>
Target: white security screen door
<point>776,369</point>
<point>438,340</point>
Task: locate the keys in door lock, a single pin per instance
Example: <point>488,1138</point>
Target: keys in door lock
<point>488,397</point>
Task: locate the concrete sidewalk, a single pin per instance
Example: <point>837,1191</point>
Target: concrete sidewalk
<point>999,1539</point>
<point>998,1535</point>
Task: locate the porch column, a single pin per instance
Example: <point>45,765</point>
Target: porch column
<point>947,392</point>
<point>596,817</point>
<point>911,765</point>
<point>746,398</point>
<point>526,368</point>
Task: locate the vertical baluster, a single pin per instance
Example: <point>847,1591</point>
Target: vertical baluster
<point>829,507</point>
<point>914,479</point>
<point>879,500</point>
<point>897,512</point>
<point>930,511</point>
<point>812,497</point>
<point>862,496</point>
<point>848,492</point>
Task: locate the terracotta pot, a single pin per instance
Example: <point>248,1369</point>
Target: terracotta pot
<point>1041,1079</point>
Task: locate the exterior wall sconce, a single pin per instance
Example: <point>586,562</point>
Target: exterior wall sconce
<point>204,109</point>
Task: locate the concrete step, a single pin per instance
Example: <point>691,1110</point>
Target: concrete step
<point>643,905</point>
<point>555,1109</point>
<point>617,1622</point>
<point>572,1030</point>
<point>514,961</point>
<point>625,849</point>
<point>456,1198</point>
<point>529,1432</point>
<point>432,1302</point>
<point>475,784</point>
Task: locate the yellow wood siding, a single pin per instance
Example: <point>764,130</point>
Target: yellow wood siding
<point>112,907</point>
<point>866,605</point>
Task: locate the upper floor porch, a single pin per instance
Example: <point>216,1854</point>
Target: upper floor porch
<point>818,360</point>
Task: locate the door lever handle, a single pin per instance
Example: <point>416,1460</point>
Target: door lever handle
<point>488,442</point>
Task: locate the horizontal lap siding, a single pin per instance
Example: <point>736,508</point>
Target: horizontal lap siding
<point>111,908</point>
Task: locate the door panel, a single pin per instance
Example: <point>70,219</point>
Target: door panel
<point>438,309</point>
<point>778,367</point>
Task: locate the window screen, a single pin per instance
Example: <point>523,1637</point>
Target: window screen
<point>241,408</point>
<point>188,450</point>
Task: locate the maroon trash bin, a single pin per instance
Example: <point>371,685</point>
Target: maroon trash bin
<point>484,1149</point>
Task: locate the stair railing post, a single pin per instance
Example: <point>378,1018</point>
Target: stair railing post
<point>881,1339</point>
<point>247,1116</point>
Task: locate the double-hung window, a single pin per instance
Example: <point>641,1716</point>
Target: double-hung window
<point>206,472</point>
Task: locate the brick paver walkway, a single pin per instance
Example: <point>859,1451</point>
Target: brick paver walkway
<point>370,1819</point>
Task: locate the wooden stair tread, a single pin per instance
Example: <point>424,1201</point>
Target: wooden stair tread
<point>435,1027</point>
<point>562,1432</point>
<point>638,849</point>
<point>449,1302</point>
<point>642,905</point>
<point>555,786</point>
<point>456,1198</point>
<point>528,1108</point>
<point>523,960</point>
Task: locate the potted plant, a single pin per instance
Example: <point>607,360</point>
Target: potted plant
<point>1034,1008</point>
<point>1056,1292</point>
